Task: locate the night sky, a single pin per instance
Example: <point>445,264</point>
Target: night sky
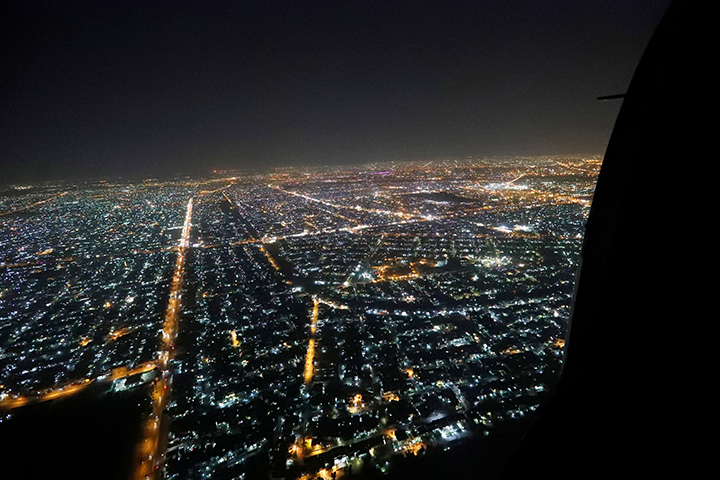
<point>141,88</point>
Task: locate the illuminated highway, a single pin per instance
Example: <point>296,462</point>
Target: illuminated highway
<point>27,207</point>
<point>310,355</point>
<point>10,402</point>
<point>351,207</point>
<point>150,450</point>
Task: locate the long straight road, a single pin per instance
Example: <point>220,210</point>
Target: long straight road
<point>150,452</point>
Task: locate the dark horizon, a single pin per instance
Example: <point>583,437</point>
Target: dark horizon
<point>114,178</point>
<point>138,90</point>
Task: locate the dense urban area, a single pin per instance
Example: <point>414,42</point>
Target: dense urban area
<point>297,323</point>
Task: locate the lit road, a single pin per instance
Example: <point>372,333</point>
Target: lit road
<point>150,451</point>
<point>310,355</point>
<point>10,402</point>
<point>303,444</point>
<point>27,207</point>
<point>357,207</point>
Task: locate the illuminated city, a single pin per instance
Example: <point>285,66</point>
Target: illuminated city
<point>296,323</point>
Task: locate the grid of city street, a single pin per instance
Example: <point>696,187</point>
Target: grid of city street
<point>301,322</point>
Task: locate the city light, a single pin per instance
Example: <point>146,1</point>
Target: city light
<point>328,321</point>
